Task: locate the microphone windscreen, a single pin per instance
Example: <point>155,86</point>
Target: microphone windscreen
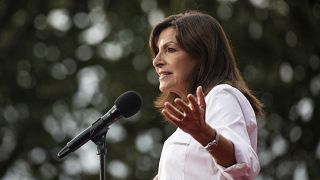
<point>128,103</point>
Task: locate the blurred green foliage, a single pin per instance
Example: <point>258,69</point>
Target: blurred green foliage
<point>64,62</point>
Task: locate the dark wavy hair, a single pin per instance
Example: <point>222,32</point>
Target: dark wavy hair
<point>203,38</point>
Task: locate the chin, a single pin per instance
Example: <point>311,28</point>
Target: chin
<point>164,89</point>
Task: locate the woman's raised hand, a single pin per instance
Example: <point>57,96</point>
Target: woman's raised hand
<point>190,115</point>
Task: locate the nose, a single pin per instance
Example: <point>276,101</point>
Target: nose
<point>158,61</point>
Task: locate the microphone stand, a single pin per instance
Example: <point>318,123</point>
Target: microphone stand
<point>100,141</point>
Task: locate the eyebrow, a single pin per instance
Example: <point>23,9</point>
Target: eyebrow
<point>167,43</point>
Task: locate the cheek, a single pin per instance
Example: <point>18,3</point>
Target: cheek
<point>186,75</point>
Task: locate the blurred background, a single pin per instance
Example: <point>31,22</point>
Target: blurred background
<point>64,62</point>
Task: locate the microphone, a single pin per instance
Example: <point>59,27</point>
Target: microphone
<point>126,105</point>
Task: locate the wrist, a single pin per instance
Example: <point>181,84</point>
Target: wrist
<point>213,144</point>
<point>206,136</point>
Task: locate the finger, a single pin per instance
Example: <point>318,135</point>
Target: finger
<point>169,117</point>
<point>194,103</point>
<point>173,110</point>
<point>184,106</point>
<point>201,97</point>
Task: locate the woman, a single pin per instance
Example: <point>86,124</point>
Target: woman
<point>205,96</point>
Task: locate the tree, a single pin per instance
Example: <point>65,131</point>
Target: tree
<point>63,63</point>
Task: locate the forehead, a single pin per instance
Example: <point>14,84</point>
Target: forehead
<point>166,36</point>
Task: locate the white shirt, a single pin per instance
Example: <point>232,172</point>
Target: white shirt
<point>230,113</point>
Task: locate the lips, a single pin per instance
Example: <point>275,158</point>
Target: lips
<point>164,74</point>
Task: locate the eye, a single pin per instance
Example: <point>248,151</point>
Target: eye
<point>171,50</point>
<point>156,51</point>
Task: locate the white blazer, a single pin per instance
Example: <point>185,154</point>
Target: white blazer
<point>230,113</point>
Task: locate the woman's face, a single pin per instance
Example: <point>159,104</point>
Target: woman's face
<point>174,65</point>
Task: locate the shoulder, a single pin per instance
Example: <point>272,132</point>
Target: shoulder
<point>224,95</point>
<point>224,90</point>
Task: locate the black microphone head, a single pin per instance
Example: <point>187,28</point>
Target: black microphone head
<point>128,103</point>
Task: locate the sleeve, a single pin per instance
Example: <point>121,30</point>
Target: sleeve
<point>227,113</point>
